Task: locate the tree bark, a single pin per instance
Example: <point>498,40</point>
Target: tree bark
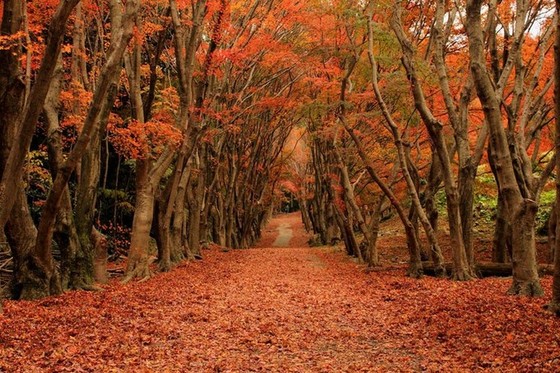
<point>522,210</point>
<point>28,120</point>
<point>554,304</point>
<point>91,125</point>
<point>461,269</point>
<point>393,129</point>
<point>415,263</point>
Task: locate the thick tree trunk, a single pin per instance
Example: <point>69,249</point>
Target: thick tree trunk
<point>554,305</point>
<point>167,209</point>
<point>149,173</point>
<point>139,257</point>
<point>76,270</point>
<point>524,263</point>
<point>30,277</point>
<point>91,125</point>
<point>501,242</point>
<point>179,244</point>
<point>20,230</point>
<point>304,211</point>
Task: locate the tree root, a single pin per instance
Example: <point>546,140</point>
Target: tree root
<point>92,288</point>
<point>553,308</point>
<point>142,272</point>
<point>462,275</point>
<point>526,288</point>
<point>415,270</point>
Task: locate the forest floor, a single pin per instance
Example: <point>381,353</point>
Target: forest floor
<point>283,306</point>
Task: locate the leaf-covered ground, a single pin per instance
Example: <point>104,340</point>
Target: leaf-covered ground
<point>282,309</point>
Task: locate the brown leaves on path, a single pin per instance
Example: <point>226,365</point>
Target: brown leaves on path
<point>282,309</point>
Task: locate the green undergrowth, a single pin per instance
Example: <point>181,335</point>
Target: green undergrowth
<point>486,204</point>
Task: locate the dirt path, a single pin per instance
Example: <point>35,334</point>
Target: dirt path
<point>296,309</point>
<point>285,234</point>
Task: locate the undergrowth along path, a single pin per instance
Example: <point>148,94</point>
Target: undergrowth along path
<point>288,309</point>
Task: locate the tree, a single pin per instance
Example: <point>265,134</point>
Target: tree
<point>521,208</point>
<point>554,304</point>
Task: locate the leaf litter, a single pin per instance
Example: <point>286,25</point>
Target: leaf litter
<point>282,309</point>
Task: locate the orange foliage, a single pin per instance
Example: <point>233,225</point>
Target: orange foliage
<point>144,140</point>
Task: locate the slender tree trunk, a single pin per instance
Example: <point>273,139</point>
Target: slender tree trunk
<point>461,268</point>
<point>372,253</point>
<point>91,260</point>
<point>394,130</point>
<point>466,202</point>
<point>434,182</point>
<point>76,260</point>
<point>415,262</point>
<point>194,194</point>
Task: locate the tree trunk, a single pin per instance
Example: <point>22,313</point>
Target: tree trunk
<point>415,263</point>
<point>304,211</point>
<point>554,305</point>
<point>466,202</point>
<point>194,194</point>
<point>29,280</point>
<point>139,257</point>
<point>76,270</point>
<point>27,122</point>
<point>372,253</point>
<point>434,181</point>
<point>91,125</point>
<point>394,130</point>
<point>525,271</point>
<point>501,242</point>
<point>461,269</point>
<point>522,210</point>
<point>99,243</point>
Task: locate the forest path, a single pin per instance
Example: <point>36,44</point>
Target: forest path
<point>285,234</point>
<point>293,309</point>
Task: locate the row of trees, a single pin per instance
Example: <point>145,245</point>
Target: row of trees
<point>189,103</point>
<point>170,118</point>
<point>421,96</point>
